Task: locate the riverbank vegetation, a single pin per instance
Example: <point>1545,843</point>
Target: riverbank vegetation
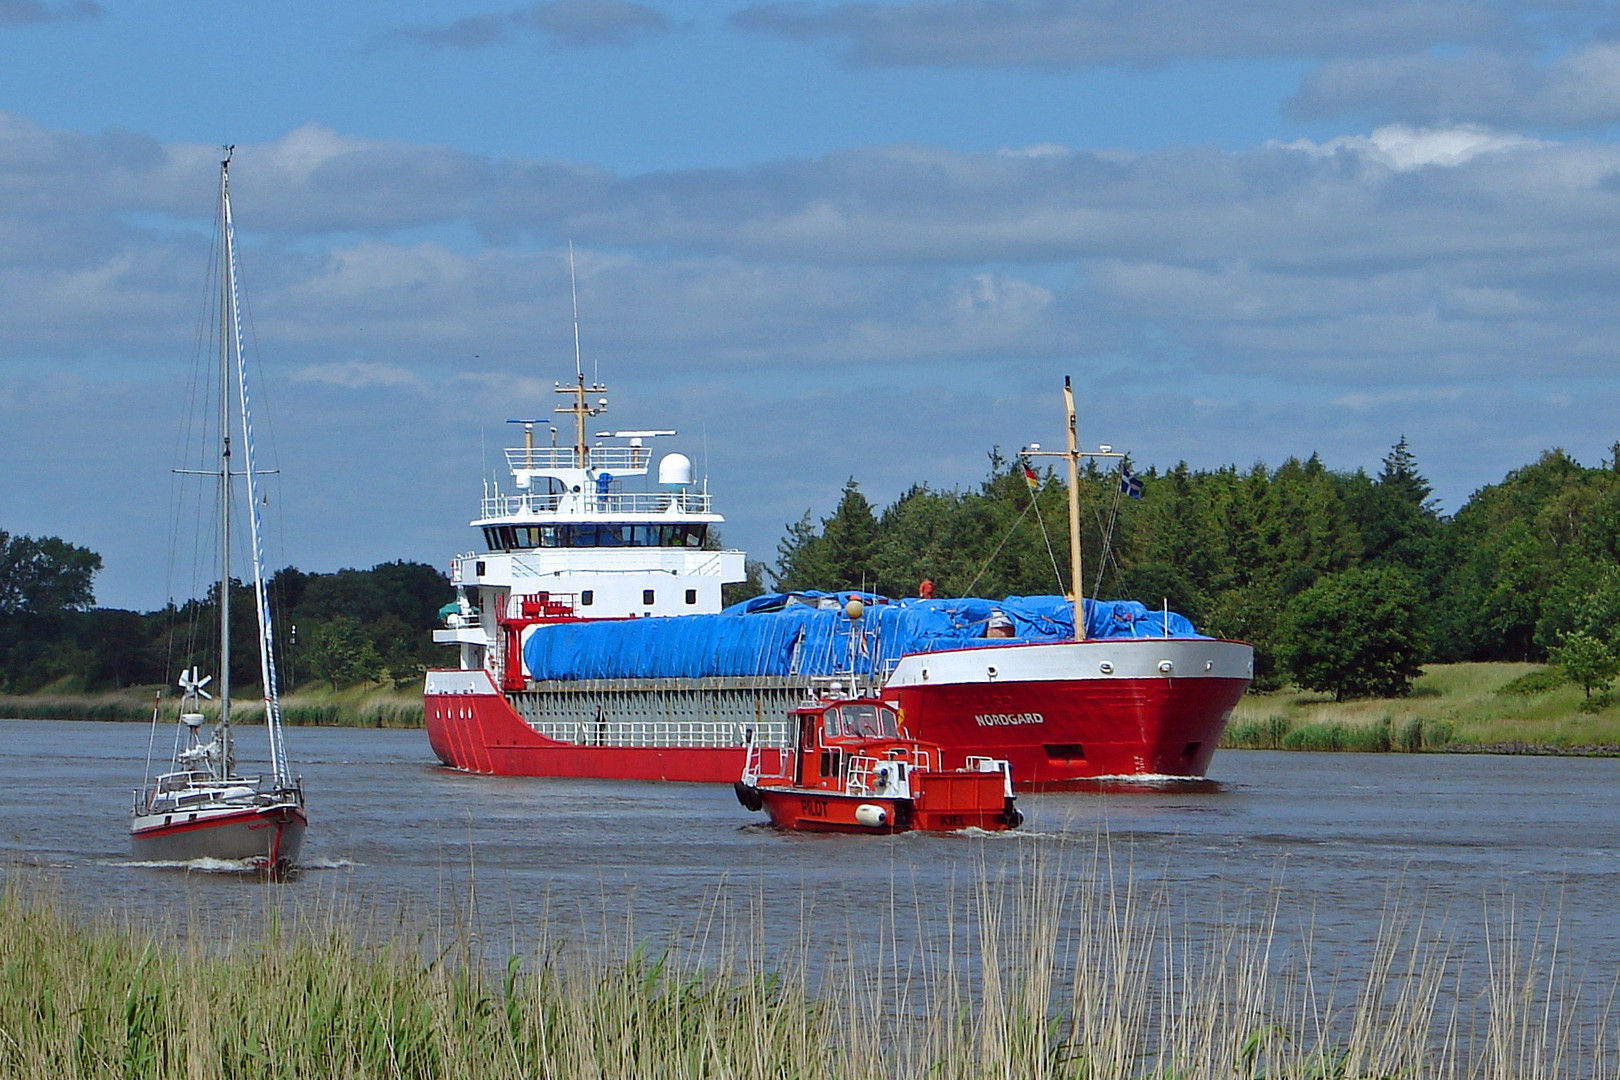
<point>1036,970</point>
<point>1346,583</point>
<point>1521,708</point>
<point>352,629</point>
<point>315,704</point>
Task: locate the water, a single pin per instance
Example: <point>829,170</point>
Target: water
<point>1325,836</point>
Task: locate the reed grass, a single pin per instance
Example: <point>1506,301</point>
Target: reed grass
<point>1050,969</point>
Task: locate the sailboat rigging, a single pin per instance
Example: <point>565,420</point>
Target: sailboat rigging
<point>201,808</point>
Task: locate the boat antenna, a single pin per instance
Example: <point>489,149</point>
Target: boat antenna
<point>573,291</point>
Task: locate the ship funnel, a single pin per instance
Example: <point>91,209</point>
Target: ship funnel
<point>675,469</point>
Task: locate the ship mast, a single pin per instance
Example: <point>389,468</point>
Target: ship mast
<point>580,410</point>
<point>1071,456</point>
<point>1072,461</point>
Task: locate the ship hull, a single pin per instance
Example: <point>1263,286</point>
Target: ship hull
<point>272,836</point>
<point>1061,713</point>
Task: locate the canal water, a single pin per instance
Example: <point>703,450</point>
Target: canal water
<point>1323,840</point>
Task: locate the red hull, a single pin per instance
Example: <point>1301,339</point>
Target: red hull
<point>482,733</point>
<point>1136,728</point>
<point>1153,709</point>
<point>978,805</point>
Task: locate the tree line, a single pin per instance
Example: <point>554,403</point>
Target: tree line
<point>347,627</point>
<point>1342,580</point>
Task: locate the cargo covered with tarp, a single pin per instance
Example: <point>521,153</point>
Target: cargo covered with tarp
<point>809,634</point>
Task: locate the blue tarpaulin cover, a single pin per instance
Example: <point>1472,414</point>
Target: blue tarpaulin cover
<point>807,633</point>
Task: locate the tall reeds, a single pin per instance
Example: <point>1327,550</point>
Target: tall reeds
<point>1049,967</point>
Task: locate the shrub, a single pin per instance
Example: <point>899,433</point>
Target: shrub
<point>1597,704</point>
<point>1541,681</point>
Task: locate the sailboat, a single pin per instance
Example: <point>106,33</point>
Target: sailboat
<point>202,807</point>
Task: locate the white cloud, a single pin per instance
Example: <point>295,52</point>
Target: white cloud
<point>1579,87</point>
<point>1404,148</point>
<point>1229,304</point>
<point>566,24</point>
<point>355,375</point>
<point>1069,33</point>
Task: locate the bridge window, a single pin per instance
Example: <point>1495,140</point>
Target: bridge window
<point>593,534</point>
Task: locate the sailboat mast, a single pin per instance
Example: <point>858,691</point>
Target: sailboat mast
<point>250,479</point>
<point>226,319</point>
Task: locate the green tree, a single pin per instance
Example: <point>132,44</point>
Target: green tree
<point>839,556</point>
<point>340,652</point>
<point>1354,634</point>
<point>1587,661</point>
<point>45,576</point>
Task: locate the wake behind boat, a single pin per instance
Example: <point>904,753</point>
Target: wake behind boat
<point>200,807</point>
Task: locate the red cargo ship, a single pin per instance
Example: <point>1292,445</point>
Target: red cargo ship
<point>571,559</point>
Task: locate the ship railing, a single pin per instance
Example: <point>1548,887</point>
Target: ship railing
<point>876,777</point>
<point>780,756</point>
<point>601,458</point>
<point>612,502</point>
<point>703,734</point>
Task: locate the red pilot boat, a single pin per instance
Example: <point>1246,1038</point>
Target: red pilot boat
<point>850,769</point>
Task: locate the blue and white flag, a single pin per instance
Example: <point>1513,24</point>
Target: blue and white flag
<point>1129,484</point>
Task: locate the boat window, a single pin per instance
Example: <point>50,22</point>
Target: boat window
<point>830,725</point>
<point>587,598</point>
<point>647,597</point>
<point>686,534</point>
<point>862,719</point>
<point>691,596</point>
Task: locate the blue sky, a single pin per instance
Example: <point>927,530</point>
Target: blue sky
<point>821,239</point>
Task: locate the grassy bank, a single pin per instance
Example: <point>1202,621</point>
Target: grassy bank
<point>1048,973</point>
<point>355,706</point>
<point>1501,707</point>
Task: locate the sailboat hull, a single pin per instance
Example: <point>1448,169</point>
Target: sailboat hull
<point>268,835</point>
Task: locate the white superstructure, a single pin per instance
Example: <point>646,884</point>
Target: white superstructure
<point>570,541</point>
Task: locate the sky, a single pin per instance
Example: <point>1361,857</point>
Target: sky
<point>821,240</point>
